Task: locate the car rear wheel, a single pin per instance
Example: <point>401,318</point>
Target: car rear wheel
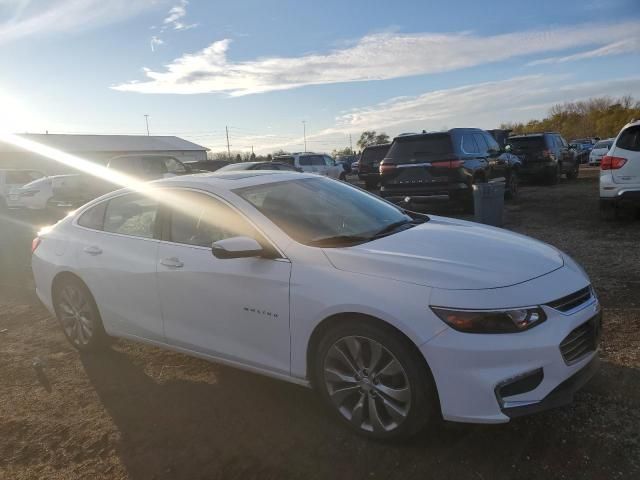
<point>77,312</point>
<point>573,174</point>
<point>553,177</point>
<point>371,184</point>
<point>375,381</point>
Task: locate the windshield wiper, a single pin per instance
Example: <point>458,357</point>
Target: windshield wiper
<point>338,240</point>
<point>390,228</point>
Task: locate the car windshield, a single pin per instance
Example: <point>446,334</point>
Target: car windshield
<point>321,212</point>
<point>601,145</point>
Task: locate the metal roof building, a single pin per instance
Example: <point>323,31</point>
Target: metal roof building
<point>97,148</point>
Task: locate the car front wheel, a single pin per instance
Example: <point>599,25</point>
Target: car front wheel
<point>375,380</point>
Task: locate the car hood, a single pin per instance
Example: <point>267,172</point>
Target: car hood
<point>451,254</point>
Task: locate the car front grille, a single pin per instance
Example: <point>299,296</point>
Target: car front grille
<point>571,301</point>
<point>581,340</point>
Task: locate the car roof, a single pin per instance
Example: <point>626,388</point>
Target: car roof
<point>380,145</point>
<point>233,179</point>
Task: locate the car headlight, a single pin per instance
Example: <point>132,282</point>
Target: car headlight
<point>491,321</point>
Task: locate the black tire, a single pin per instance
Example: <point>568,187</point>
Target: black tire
<point>370,184</point>
<point>423,405</point>
<point>513,185</point>
<point>78,315</point>
<point>553,177</point>
<point>573,174</point>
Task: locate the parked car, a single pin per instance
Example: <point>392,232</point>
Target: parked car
<point>314,163</point>
<point>234,167</point>
<point>394,318</point>
<point>620,172</point>
<point>206,165</point>
<point>580,152</point>
<point>60,192</point>
<point>346,161</point>
<point>445,165</point>
<point>10,181</point>
<point>599,150</point>
<point>369,164</point>
<point>148,166</point>
<point>545,155</point>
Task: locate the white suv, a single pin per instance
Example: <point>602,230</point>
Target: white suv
<point>11,181</point>
<point>317,163</point>
<point>620,172</point>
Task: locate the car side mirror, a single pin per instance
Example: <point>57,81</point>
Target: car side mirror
<point>236,247</point>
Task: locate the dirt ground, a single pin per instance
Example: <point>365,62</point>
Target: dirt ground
<point>141,413</point>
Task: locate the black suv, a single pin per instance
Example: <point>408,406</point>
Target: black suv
<point>445,165</point>
<point>544,155</point>
<point>369,164</point>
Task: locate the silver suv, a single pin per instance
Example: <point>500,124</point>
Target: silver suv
<point>620,172</point>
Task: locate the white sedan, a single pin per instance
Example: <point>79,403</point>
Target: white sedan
<point>394,317</point>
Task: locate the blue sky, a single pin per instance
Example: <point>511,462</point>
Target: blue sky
<point>261,67</point>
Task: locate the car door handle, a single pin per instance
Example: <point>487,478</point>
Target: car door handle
<point>172,262</point>
<point>92,250</point>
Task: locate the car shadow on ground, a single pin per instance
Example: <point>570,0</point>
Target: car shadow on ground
<point>233,424</point>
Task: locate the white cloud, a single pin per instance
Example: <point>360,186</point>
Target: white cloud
<point>175,15</point>
<point>155,42</point>
<point>27,18</point>
<point>617,48</point>
<point>374,57</point>
<point>483,105</point>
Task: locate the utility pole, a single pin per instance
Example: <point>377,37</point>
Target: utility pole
<point>304,132</point>
<point>228,147</point>
<point>251,149</point>
<point>146,120</point>
<point>350,143</point>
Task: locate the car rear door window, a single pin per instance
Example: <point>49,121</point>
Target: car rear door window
<point>469,145</point>
<point>94,217</point>
<point>630,139</point>
<point>131,214</point>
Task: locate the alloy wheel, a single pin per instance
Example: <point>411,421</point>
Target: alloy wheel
<point>76,315</point>
<point>367,384</point>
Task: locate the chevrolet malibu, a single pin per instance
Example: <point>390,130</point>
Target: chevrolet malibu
<point>395,318</point>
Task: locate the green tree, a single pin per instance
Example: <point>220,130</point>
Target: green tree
<point>601,117</point>
<point>371,137</point>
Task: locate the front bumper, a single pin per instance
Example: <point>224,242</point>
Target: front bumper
<point>470,369</point>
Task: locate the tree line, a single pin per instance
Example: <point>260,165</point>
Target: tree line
<point>601,117</point>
